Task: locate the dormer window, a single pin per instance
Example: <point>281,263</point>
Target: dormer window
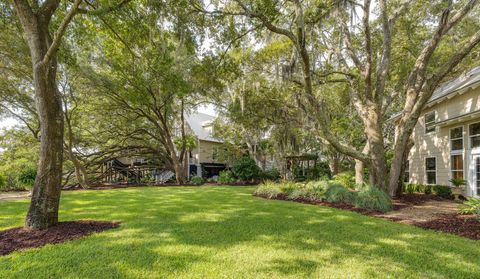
<point>429,120</point>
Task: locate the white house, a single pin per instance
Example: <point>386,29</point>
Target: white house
<point>447,136</point>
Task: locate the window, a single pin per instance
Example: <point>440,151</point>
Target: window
<point>456,139</point>
<point>406,173</point>
<point>475,135</point>
<point>429,120</point>
<point>431,170</point>
<point>456,166</point>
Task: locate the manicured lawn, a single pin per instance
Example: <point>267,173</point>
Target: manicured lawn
<point>224,232</point>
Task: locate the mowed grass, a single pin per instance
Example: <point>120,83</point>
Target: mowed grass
<point>224,232</point>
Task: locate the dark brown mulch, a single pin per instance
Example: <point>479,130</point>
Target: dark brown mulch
<point>20,238</point>
<point>462,225</point>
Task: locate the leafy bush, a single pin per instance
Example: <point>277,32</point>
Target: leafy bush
<point>373,198</point>
<point>270,174</point>
<point>288,187</point>
<point>347,179</point>
<point>246,169</point>
<point>427,189</point>
<point>268,190</point>
<point>197,180</point>
<point>442,191</point>
<point>338,193</point>
<point>3,183</point>
<point>471,206</point>
<point>27,176</point>
<point>316,190</point>
<point>298,193</point>
<point>226,177</point>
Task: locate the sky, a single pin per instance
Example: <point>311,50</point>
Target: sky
<point>9,122</point>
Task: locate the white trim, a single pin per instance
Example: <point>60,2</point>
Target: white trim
<point>425,167</point>
<point>459,151</point>
<point>470,137</point>
<point>472,181</point>
<point>452,170</point>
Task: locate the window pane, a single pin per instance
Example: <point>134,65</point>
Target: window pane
<point>457,144</point>
<point>457,174</point>
<point>456,133</point>
<point>430,117</point>
<point>431,179</point>
<point>430,164</point>
<point>429,128</point>
<point>457,162</point>
<point>475,141</point>
<point>475,129</point>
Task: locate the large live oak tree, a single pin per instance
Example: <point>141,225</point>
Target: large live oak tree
<point>363,58</point>
<point>36,18</point>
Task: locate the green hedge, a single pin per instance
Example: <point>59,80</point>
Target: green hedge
<point>439,190</point>
<point>368,197</point>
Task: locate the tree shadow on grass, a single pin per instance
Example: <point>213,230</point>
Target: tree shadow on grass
<point>168,231</point>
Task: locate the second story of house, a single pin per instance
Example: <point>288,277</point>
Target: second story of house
<point>201,126</point>
<point>455,103</point>
<point>447,134</point>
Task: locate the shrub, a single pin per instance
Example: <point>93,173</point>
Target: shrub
<point>197,180</point>
<point>316,190</point>
<point>321,169</point>
<point>27,176</point>
<point>246,169</point>
<point>471,206</point>
<point>268,190</point>
<point>288,187</point>
<point>3,183</point>
<point>346,179</point>
<point>338,193</point>
<point>427,190</point>
<point>226,177</point>
<point>270,174</point>
<point>373,198</point>
<point>299,193</point>
<point>442,191</point>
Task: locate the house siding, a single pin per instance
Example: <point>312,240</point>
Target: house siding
<point>437,143</point>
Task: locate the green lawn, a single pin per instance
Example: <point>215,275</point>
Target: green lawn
<point>224,232</point>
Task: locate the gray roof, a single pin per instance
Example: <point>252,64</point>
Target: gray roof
<point>462,82</point>
<point>198,123</point>
<point>470,79</point>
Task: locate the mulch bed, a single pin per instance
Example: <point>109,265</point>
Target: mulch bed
<point>20,238</point>
<point>462,225</point>
<point>122,186</point>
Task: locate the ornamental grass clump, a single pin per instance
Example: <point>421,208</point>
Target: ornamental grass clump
<point>268,190</point>
<point>373,198</point>
<point>337,193</point>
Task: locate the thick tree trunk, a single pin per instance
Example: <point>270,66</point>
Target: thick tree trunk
<point>360,168</point>
<point>334,165</point>
<point>374,134</point>
<point>43,211</point>
<point>403,133</point>
<point>359,172</point>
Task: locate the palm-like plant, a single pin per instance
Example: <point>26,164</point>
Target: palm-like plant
<point>457,182</point>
